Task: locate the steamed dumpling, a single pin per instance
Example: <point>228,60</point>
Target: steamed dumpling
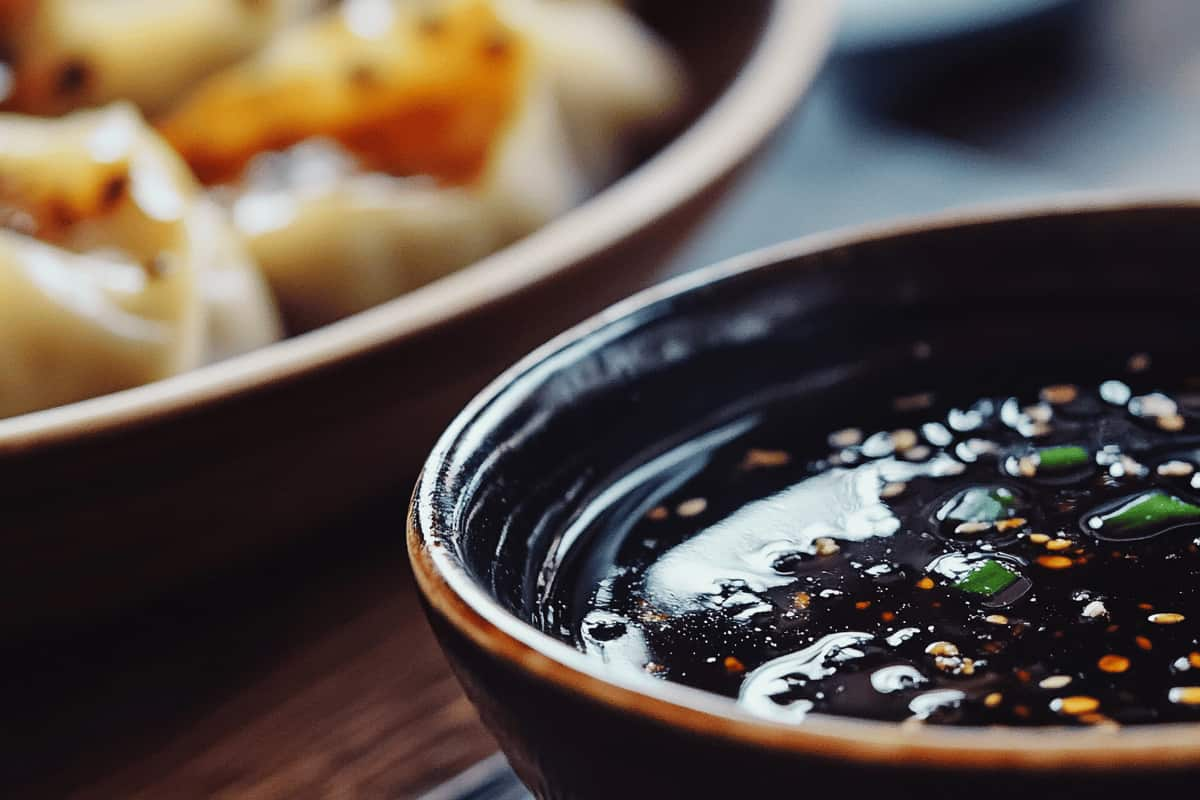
<point>114,269</point>
<point>612,76</point>
<point>66,54</point>
<point>334,240</point>
<point>413,138</point>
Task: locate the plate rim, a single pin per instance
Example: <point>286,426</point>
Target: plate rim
<point>792,46</point>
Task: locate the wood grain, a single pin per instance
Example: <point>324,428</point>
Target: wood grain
<point>313,675</point>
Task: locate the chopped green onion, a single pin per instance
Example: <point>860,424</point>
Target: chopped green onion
<point>988,579</point>
<point>1064,457</point>
<point>1146,515</point>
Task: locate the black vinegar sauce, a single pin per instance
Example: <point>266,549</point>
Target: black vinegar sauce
<point>1019,560</point>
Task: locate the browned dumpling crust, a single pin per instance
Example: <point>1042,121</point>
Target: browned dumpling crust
<point>63,55</point>
<point>115,270</point>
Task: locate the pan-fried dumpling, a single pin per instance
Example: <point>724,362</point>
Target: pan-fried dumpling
<point>65,54</point>
<point>410,139</point>
<point>114,268</point>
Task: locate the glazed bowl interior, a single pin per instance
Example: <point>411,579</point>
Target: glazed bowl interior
<point>829,328</point>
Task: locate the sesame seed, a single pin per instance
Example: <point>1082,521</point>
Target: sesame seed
<point>1113,663</point>
<point>981,446</point>
<point>948,663</point>
<point>1194,660</point>
<point>918,453</point>
<point>1059,394</point>
<point>1139,362</point>
<point>690,508</point>
<point>1185,695</point>
<point>1009,524</point>
<point>765,458</point>
<point>847,437</point>
<point>733,664</point>
<point>1056,545</point>
<point>1054,562</point>
<point>892,490</point>
<point>913,402</point>
<point>1171,422</point>
<point>658,513</point>
<point>802,600</point>
<point>1115,392</point>
<point>1038,538</point>
<point>904,439</point>
<point>1055,682</point>
<point>1143,642</point>
<point>1130,466</point>
<point>825,546</point>
<point>994,699</point>
<point>1027,466</point>
<point>1167,618</point>
<point>1175,469</point>
<point>1039,413</point>
<point>1039,429</point>
<point>996,619</point>
<point>942,649</point>
<point>863,605</point>
<point>1095,609</point>
<point>1075,704</point>
<point>971,528</point>
<point>925,583</point>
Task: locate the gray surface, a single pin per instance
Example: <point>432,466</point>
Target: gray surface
<point>830,168</point>
<point>1115,105</point>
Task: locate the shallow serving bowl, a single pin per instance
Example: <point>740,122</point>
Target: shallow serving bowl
<point>1069,290</point>
<point>109,499</point>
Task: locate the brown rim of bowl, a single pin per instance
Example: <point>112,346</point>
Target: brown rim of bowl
<point>454,595</point>
<point>782,65</point>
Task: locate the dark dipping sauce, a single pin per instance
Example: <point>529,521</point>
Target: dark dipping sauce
<point>1018,560</point>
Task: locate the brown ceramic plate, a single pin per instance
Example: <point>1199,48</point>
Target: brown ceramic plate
<point>1070,286</point>
<point>110,498</point>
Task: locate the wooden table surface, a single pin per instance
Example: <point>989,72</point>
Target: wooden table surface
<point>312,673</point>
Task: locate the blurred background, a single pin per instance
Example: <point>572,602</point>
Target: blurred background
<point>931,104</point>
<point>282,680</point>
